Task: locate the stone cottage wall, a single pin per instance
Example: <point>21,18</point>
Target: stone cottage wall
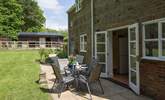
<point>152,78</point>
<point>80,23</point>
<point>115,13</point>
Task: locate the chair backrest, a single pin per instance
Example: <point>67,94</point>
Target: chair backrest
<point>91,66</point>
<point>54,58</point>
<point>57,72</point>
<point>79,59</point>
<point>62,63</point>
<point>95,73</point>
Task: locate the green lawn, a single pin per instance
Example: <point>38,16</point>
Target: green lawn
<point>18,73</point>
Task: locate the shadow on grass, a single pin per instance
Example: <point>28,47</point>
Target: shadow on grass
<point>46,90</point>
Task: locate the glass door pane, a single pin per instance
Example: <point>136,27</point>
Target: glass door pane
<point>101,51</point>
<point>133,58</point>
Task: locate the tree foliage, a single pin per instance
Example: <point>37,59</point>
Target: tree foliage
<point>20,15</point>
<point>32,16</point>
<point>10,18</point>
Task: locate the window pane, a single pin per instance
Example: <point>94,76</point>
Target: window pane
<point>85,38</point>
<point>85,46</point>
<point>133,77</point>
<point>81,46</point>
<point>133,62</point>
<point>81,39</point>
<point>163,29</point>
<point>76,3</point>
<point>163,44</point>
<point>151,31</point>
<point>100,47</point>
<point>133,48</point>
<point>101,57</point>
<point>100,37</point>
<point>103,68</point>
<point>133,34</point>
<point>151,48</point>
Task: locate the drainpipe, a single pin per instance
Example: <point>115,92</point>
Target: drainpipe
<point>92,28</point>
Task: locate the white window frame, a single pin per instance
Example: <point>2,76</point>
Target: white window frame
<point>78,5</point>
<point>160,56</point>
<point>83,43</point>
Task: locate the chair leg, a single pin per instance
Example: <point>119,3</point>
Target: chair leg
<point>101,87</point>
<point>89,91</point>
<point>61,89</point>
<point>54,84</point>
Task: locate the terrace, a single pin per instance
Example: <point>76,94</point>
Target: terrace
<point>112,91</point>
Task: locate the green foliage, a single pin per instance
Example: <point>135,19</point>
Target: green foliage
<point>65,34</point>
<point>44,54</point>
<point>61,53</point>
<point>10,18</point>
<point>50,30</point>
<point>72,60</point>
<point>20,15</point>
<point>18,73</point>
<point>32,16</point>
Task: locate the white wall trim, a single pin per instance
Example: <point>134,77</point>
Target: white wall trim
<point>154,58</point>
<point>153,21</point>
<point>92,30</point>
<point>118,28</point>
<point>82,36</point>
<point>159,39</point>
<point>102,32</point>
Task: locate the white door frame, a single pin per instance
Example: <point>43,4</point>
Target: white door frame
<point>134,87</point>
<point>102,32</point>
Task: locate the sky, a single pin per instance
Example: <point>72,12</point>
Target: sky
<point>55,13</point>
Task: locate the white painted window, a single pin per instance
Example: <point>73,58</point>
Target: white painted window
<point>71,23</point>
<point>154,39</point>
<point>78,5</point>
<point>83,43</point>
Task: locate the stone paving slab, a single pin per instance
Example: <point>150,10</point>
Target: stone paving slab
<point>112,90</point>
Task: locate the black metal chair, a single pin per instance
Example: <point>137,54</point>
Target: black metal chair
<point>61,81</point>
<point>90,66</point>
<point>94,77</point>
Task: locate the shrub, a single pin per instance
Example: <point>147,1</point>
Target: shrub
<point>44,54</point>
<point>62,54</point>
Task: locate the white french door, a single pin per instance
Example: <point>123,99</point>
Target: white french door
<point>101,51</point>
<point>134,83</point>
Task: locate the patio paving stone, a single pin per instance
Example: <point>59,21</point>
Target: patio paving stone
<point>112,90</point>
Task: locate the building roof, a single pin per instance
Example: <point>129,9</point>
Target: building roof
<point>71,8</point>
<point>39,34</point>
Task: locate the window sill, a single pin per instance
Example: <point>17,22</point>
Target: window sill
<point>78,10</point>
<point>83,51</point>
<point>155,58</point>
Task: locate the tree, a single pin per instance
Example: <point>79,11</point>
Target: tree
<point>65,34</point>
<point>10,18</point>
<point>32,16</point>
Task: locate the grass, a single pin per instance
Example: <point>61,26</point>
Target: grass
<point>18,75</point>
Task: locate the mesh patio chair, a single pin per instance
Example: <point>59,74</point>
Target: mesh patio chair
<point>90,66</point>
<point>79,59</point>
<point>63,65</point>
<point>61,81</point>
<point>94,77</point>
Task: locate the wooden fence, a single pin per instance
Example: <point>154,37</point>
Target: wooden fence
<point>30,45</point>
